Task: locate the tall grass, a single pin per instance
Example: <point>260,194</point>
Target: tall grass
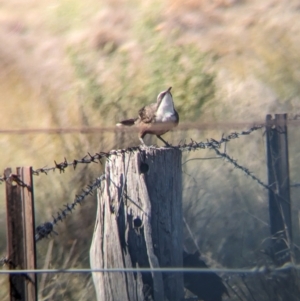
<point>94,63</point>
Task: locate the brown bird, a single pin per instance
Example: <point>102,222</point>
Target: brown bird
<point>156,118</point>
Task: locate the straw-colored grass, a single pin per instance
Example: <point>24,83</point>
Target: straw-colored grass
<point>90,63</point>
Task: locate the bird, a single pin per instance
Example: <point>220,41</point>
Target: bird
<point>156,118</point>
<point>207,286</point>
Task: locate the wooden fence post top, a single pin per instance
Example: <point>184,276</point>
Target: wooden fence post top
<point>139,224</point>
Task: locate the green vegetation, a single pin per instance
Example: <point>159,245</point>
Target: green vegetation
<point>131,86</point>
<point>82,64</point>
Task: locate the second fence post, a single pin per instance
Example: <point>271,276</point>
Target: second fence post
<point>279,182</point>
<point>139,225</point>
<point>20,233</point>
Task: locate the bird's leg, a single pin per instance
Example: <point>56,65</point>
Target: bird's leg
<point>164,141</point>
<point>142,141</point>
<point>144,145</point>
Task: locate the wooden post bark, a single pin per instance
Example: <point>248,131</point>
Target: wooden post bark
<point>20,233</point>
<point>279,181</point>
<point>139,224</point>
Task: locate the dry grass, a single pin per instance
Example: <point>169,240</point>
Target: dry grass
<point>73,63</point>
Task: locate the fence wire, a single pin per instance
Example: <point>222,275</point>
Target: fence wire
<point>266,270</point>
<point>97,157</point>
<point>45,229</point>
<point>246,171</point>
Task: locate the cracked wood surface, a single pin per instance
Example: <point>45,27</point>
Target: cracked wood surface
<point>139,224</point>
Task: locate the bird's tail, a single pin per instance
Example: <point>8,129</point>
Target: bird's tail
<point>127,122</point>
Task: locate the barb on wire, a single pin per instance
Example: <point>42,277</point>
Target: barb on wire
<point>97,157</point>
<point>15,178</point>
<point>244,169</point>
<point>212,143</point>
<point>87,159</point>
<point>3,179</point>
<point>44,230</point>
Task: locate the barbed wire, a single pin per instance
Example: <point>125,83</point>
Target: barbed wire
<point>211,143</point>
<point>246,171</point>
<point>14,178</point>
<point>243,271</point>
<point>44,230</point>
<point>87,159</point>
<point>97,157</point>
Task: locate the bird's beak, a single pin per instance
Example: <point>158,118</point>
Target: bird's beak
<point>169,89</point>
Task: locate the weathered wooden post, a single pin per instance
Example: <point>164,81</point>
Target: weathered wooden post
<point>20,233</point>
<point>279,181</point>
<point>139,224</point>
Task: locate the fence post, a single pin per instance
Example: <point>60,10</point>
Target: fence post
<point>139,224</point>
<point>20,233</point>
<point>279,182</point>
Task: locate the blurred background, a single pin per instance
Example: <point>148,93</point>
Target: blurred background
<point>81,64</point>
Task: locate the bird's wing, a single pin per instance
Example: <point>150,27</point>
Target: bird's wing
<point>147,113</point>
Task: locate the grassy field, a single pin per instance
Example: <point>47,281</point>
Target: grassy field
<point>74,63</point>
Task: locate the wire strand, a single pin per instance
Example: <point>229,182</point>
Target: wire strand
<point>254,270</point>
